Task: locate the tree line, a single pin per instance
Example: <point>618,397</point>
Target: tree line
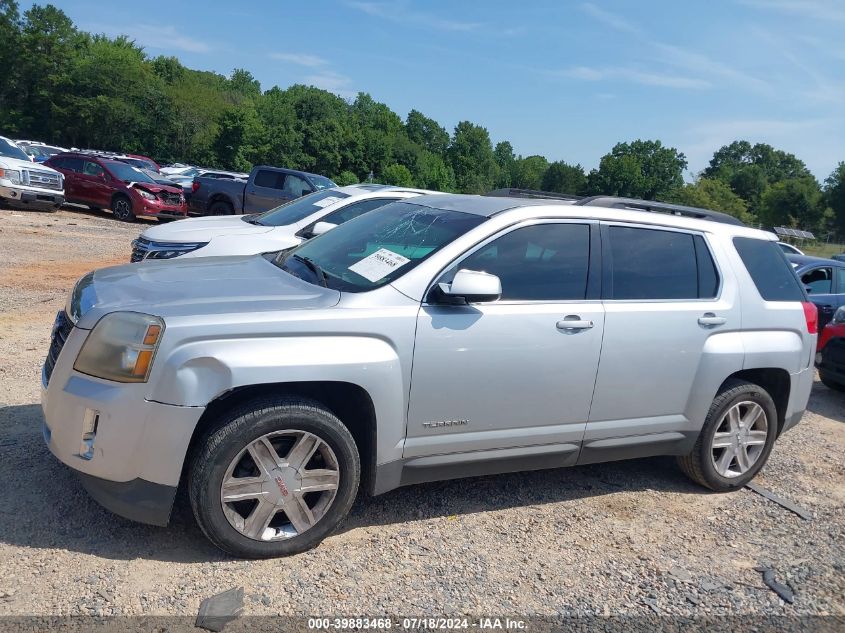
<point>65,86</point>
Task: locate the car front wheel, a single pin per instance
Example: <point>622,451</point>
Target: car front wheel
<point>736,439</point>
<point>275,478</point>
<point>121,207</point>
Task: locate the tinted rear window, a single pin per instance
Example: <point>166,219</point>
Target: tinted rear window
<point>769,268</point>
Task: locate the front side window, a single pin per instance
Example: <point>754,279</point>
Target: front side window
<point>654,264</point>
<point>300,208</point>
<point>543,262</point>
<point>296,186</point>
<point>818,281</point>
<point>376,248</point>
<point>92,169</point>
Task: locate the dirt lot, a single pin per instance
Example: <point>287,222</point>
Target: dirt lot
<point>624,538</point>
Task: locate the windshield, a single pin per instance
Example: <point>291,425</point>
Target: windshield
<point>377,247</point>
<point>127,173</point>
<point>10,150</point>
<point>322,183</point>
<point>300,208</point>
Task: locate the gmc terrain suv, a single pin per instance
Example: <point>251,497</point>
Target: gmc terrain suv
<point>439,337</point>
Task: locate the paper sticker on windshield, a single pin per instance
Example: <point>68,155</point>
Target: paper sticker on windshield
<point>327,201</point>
<point>379,265</point>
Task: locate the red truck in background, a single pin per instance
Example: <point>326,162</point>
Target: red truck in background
<point>103,183</point>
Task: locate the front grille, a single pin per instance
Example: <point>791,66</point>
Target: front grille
<point>61,330</point>
<point>44,180</point>
<point>170,198</point>
<point>140,248</point>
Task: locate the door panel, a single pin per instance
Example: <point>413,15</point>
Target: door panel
<point>655,338</point>
<point>507,370</point>
<point>265,191</point>
<point>520,371</point>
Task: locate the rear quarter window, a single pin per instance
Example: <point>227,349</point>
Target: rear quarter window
<point>769,269</point>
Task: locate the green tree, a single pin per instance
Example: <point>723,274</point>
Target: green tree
<point>398,175</point>
<point>641,169</point>
<point>427,133</point>
<point>471,157</point>
<point>796,202</point>
<point>238,143</point>
<point>564,178</point>
<point>707,193</point>
<point>834,198</point>
<point>506,160</point>
<point>9,52</point>
<point>432,172</point>
<point>346,178</point>
<point>528,172</point>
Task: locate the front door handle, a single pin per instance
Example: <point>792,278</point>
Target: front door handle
<point>711,319</point>
<point>574,322</point>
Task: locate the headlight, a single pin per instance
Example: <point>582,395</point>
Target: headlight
<point>146,194</point>
<point>839,315</point>
<point>12,175</point>
<point>121,347</point>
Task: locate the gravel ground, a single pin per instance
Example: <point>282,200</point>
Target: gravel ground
<point>626,538</point>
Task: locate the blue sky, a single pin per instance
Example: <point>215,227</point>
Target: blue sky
<point>565,79</point>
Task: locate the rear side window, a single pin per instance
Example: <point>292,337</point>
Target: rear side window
<point>652,264</point>
<point>270,179</point>
<point>769,269</point>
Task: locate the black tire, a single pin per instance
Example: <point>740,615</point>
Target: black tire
<point>221,208</point>
<point>121,208</point>
<point>699,466</point>
<point>231,434</point>
<point>830,383</point>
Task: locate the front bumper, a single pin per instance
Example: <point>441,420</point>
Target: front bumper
<point>133,464</point>
<point>832,361</point>
<point>42,198</point>
<point>152,210</point>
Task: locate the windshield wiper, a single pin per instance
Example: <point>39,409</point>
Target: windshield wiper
<point>313,267</point>
<point>252,219</point>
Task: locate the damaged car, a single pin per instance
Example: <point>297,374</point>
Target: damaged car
<point>104,183</point>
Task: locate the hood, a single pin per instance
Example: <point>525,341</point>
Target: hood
<point>203,229</point>
<point>16,163</point>
<point>198,287</point>
<point>153,187</point>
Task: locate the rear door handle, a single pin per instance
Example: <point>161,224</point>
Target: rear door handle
<point>711,319</point>
<point>574,322</point>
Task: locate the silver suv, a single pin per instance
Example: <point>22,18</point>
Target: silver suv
<point>445,336</point>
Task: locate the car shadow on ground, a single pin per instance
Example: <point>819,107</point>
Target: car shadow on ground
<point>827,402</point>
<point>43,504</point>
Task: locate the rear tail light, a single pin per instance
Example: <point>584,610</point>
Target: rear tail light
<point>811,313</point>
<point>194,186</point>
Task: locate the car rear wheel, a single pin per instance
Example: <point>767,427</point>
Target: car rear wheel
<point>221,208</point>
<point>121,207</point>
<point>830,383</point>
<point>736,439</point>
<point>274,478</point>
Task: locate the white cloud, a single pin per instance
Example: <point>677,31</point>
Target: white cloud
<point>159,37</point>
<point>400,12</point>
<point>633,75</point>
<point>300,59</point>
<point>613,20</point>
<point>831,11</point>
<point>332,81</point>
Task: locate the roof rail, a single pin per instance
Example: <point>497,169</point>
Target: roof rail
<point>659,207</point>
<point>510,192</point>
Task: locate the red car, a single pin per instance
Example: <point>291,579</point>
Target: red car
<point>830,352</point>
<point>103,183</point>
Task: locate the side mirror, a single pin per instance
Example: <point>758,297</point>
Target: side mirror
<point>473,286</point>
<point>808,289</point>
<point>322,227</point>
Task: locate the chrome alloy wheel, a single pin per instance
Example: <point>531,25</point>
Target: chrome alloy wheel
<point>280,485</point>
<point>740,439</point>
<point>122,209</point>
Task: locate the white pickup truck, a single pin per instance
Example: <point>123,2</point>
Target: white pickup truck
<point>27,184</point>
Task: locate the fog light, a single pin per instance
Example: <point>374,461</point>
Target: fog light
<point>89,433</point>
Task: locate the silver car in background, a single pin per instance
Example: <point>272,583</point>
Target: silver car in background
<point>438,337</point>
